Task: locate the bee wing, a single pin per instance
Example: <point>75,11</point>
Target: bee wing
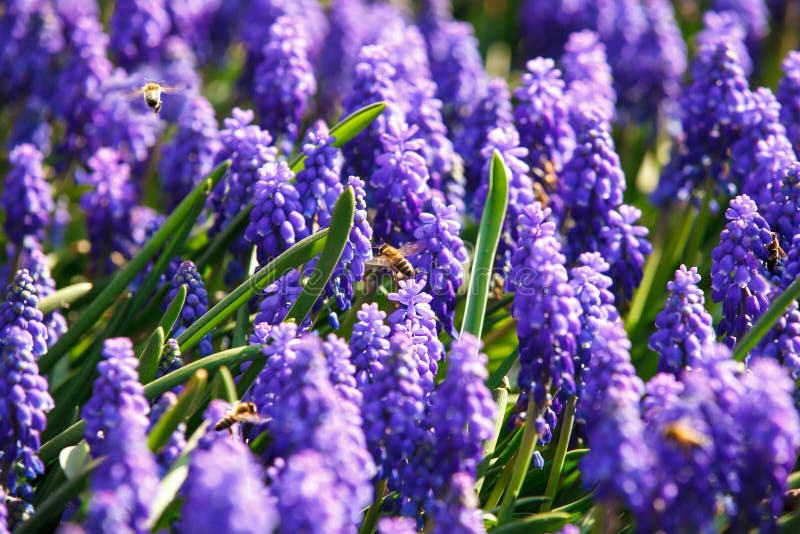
<point>170,89</point>
<point>135,93</point>
<point>379,262</point>
<point>253,419</point>
<point>412,248</point>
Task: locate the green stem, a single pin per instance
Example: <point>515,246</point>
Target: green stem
<point>374,511</point>
<point>501,484</point>
<point>500,397</point>
<point>526,449</point>
<point>561,452</point>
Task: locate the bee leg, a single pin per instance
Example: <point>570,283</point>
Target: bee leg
<point>230,432</point>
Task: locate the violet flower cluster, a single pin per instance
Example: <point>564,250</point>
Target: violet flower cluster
<point>195,305</point>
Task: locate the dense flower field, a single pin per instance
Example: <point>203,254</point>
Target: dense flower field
<point>355,266</point>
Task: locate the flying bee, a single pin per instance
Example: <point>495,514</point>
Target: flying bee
<point>395,259</point>
<point>683,434</point>
<point>152,94</point>
<point>775,253</point>
<point>241,412</point>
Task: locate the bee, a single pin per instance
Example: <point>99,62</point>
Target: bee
<point>241,412</point>
<point>684,435</point>
<point>152,94</point>
<point>775,253</point>
<point>395,259</point>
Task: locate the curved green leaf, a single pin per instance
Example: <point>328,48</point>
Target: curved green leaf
<point>165,426</point>
<point>167,321</point>
<point>63,297</point>
<point>150,356</point>
<point>223,386</point>
<point>298,254</point>
<point>491,226</point>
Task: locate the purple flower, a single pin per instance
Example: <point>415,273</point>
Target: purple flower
<point>24,401</point>
<point>624,245</point>
<point>425,112</point>
<point>394,408</point>
<point>284,80</point>
<point>108,205</point>
<point>493,110</point>
<point>196,303</point>
<point>415,318</point>
<point>397,525</point>
<point>721,27</point>
<point>788,94</point>
<point>542,117</point>
<point>592,183</point>
<point>760,157</point>
<point>782,342</point>
<point>546,309</point>
<point>683,328</point>
<point>123,485</point>
<point>295,394</point>
<point>276,221</point>
<point>456,67</point>
<point>306,502</point>
<point>30,37</point>
<point>192,20</point>
<point>224,491</point>
<point>117,399</point>
<point>458,509</point>
<point>137,29</point>
<point>505,140</point>
<point>737,268</point>
<point>20,309</point>
<point>712,109</point>
<point>257,16</point>
<point>349,26</point>
<point>753,15</point>
<point>177,440</point>
<point>190,154</point>
<point>619,462</point>
<point>591,287</point>
<point>278,298</point>
<point>442,258</point>
<point>369,343</point>
<point>249,148</point>
<point>33,126</point>
<point>587,75</point>
<point>783,213</point>
<point>319,184</point>
<point>373,81</point>
<point>462,414</point>
<point>400,184</point>
<point>35,261</point>
<point>27,199</point>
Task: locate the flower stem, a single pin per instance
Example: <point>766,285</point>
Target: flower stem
<point>521,464</point>
<point>501,484</point>
<point>374,511</point>
<point>561,452</point>
<point>500,397</point>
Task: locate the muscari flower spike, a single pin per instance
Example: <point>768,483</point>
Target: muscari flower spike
<point>35,261</point>
<point>587,75</point>
<point>27,199</point>
<point>224,489</point>
<point>276,221</point>
<point>137,29</point>
<point>20,309</point>
<point>737,269</point>
<point>319,183</point>
<point>24,402</point>
<point>788,94</point>
<point>624,244</point>
<point>458,509</point>
<point>284,82</point>
<point>725,26</point>
<point>684,327</point>
<point>196,303</point>
<point>369,343</point>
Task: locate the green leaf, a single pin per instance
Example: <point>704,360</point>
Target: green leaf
<point>223,386</point>
<point>165,499</point>
<point>346,129</point>
<point>338,234</point>
<point>124,276</point>
<point>150,356</point>
<point>189,397</point>
<point>491,226</point>
<point>298,254</point>
<point>770,317</point>
<point>496,378</point>
<point>73,460</point>
<point>548,522</point>
<point>64,297</point>
<point>167,321</point>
